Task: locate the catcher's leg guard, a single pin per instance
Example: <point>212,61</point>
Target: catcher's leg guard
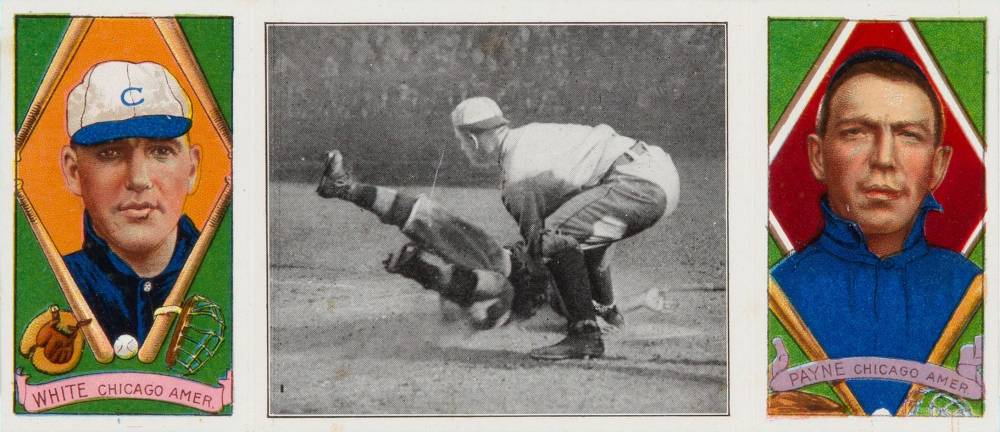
<point>599,271</point>
<point>569,272</point>
<point>601,289</point>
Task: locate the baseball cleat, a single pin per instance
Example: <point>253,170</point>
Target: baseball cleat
<point>337,180</point>
<point>583,342</point>
<point>399,262</point>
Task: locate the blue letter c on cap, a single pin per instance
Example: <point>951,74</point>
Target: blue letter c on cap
<point>130,90</point>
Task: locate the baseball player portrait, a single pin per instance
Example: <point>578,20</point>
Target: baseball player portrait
<point>870,284</point>
<point>130,162</point>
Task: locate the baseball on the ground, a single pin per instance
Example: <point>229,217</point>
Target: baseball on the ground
<point>126,346</point>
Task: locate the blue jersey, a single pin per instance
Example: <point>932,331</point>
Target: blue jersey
<point>857,304</point>
<point>122,301</point>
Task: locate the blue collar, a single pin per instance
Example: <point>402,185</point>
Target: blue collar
<point>844,238</point>
<point>100,253</point>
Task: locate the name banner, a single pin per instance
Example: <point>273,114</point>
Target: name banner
<point>124,385</point>
<point>965,382</point>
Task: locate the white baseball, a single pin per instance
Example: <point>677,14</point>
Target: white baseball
<point>126,347</point>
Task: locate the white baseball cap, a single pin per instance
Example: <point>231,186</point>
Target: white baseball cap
<point>477,113</point>
<point>118,99</point>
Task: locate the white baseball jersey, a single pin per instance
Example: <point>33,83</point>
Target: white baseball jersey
<point>559,159</point>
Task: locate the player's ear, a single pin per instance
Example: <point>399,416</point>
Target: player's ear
<point>814,143</point>
<point>70,166</point>
<point>195,154</point>
<point>475,140</point>
<point>942,158</point>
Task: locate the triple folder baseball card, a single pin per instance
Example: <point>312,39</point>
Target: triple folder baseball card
<point>251,215</point>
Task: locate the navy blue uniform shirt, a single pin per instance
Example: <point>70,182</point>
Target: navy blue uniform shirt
<point>857,304</point>
<point>122,301</point>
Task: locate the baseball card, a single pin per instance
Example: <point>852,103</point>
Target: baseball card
<point>515,215</point>
<point>122,253</point>
<point>877,199</point>
<point>471,219</point>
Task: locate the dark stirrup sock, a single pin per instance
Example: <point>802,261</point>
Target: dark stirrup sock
<point>391,206</point>
<point>454,282</point>
<point>363,195</point>
<point>460,286</point>
<point>399,211</point>
<point>427,275</point>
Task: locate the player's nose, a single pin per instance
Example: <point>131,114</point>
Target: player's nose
<point>138,172</point>
<point>884,151</point>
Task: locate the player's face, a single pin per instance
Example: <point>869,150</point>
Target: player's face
<point>878,157</point>
<point>475,150</point>
<point>134,189</point>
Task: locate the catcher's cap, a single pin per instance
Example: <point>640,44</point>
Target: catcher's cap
<point>871,55</point>
<point>480,113</point>
<point>118,99</point>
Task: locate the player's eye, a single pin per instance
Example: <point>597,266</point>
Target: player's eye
<point>912,135</point>
<point>162,151</point>
<point>109,154</point>
<point>853,132</point>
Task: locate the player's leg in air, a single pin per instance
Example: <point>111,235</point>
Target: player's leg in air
<point>475,276</point>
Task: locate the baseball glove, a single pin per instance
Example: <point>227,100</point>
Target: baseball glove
<point>53,341</point>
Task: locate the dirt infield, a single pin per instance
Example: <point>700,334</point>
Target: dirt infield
<point>347,338</point>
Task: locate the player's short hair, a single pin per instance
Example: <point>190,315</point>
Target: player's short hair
<point>886,64</point>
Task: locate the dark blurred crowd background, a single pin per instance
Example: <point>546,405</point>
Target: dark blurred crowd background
<point>384,93</point>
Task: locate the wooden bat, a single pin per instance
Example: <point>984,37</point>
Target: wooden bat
<point>790,319</point>
<point>163,318</point>
<point>93,332</point>
<point>966,309</point>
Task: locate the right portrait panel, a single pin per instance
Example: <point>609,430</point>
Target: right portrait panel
<point>876,206</point>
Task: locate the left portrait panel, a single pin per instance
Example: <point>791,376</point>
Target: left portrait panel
<point>123,228</point>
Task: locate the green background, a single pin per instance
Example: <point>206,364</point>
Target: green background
<point>794,45</point>
<point>36,41</point>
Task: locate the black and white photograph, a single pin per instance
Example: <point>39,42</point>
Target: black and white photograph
<point>497,219</point>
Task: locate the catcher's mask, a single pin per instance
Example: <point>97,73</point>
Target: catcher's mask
<point>198,335</point>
